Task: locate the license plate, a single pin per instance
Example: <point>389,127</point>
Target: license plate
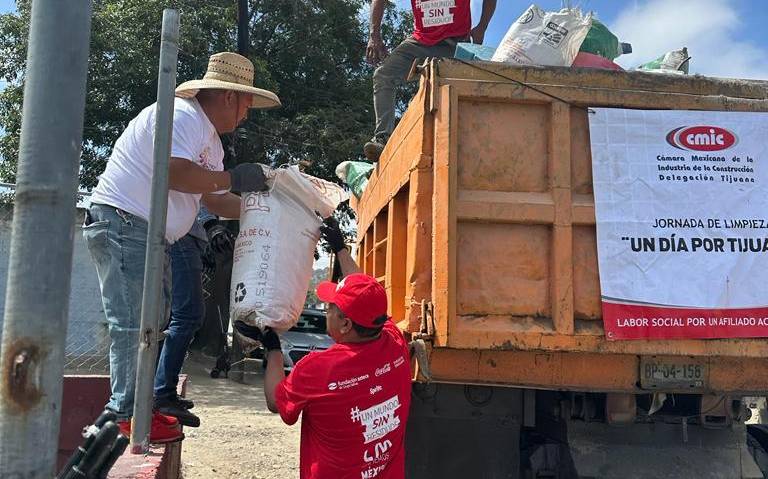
<point>684,373</point>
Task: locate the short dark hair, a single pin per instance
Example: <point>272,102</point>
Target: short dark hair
<point>366,332</point>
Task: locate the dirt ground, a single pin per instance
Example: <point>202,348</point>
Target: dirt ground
<point>238,437</point>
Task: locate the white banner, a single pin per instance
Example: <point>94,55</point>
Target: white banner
<point>681,200</point>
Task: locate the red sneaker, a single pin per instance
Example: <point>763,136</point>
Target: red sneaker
<point>163,419</point>
<point>163,429</point>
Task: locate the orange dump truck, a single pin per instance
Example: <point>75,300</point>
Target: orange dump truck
<point>480,222</point>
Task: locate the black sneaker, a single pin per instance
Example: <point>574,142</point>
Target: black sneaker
<point>175,407</point>
<point>372,150</point>
<point>176,401</point>
<point>185,403</point>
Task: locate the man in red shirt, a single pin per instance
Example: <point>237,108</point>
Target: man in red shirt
<point>438,26</point>
<point>353,397</point>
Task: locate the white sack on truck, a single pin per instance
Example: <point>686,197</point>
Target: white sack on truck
<point>544,38</point>
<point>274,251</point>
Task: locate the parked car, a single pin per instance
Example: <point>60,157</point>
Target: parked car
<point>308,335</point>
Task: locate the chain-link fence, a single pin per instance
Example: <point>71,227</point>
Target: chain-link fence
<point>87,342</point>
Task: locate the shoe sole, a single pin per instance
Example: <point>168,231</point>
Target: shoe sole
<point>185,420</point>
<point>168,441</point>
<point>188,423</point>
<point>372,152</point>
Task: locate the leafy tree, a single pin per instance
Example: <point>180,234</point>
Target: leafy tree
<point>310,52</point>
<point>318,276</point>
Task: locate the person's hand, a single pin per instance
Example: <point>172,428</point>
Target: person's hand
<point>209,260</point>
<point>331,233</point>
<point>478,34</point>
<point>220,239</point>
<point>270,340</point>
<point>376,51</point>
<point>247,177</point>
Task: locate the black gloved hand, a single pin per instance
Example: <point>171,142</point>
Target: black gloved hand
<point>247,177</point>
<point>220,239</point>
<point>209,260</point>
<point>331,233</point>
<point>270,340</point>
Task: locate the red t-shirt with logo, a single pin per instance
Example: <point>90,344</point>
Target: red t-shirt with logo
<point>436,20</point>
<point>354,400</point>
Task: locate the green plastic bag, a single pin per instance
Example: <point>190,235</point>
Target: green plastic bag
<point>355,174</point>
<point>676,61</point>
<point>601,41</point>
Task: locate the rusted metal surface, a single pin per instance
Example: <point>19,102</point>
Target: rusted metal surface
<point>499,176</point>
<point>22,389</point>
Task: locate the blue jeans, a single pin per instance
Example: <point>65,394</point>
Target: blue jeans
<point>187,309</point>
<point>117,242</point>
<point>393,72</point>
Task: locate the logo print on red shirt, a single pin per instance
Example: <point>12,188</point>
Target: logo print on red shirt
<point>379,420</point>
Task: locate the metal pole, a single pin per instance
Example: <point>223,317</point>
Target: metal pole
<point>242,27</point>
<point>152,301</point>
<point>37,298</point>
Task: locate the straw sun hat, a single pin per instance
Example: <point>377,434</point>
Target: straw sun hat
<point>229,71</point>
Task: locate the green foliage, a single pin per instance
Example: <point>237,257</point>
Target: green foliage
<point>318,276</point>
<point>310,52</point>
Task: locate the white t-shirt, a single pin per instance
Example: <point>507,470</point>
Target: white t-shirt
<point>127,181</point>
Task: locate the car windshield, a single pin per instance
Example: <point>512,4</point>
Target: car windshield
<point>310,324</point>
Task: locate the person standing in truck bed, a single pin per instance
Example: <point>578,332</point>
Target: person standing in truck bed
<point>437,30</point>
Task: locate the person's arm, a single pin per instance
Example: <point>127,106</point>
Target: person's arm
<point>226,205</point>
<point>347,263</point>
<point>376,50</point>
<point>478,33</point>
<point>272,377</point>
<point>188,177</point>
<point>330,231</point>
<point>274,373</point>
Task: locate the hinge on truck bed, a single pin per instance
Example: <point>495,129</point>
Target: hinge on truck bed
<point>427,323</point>
<point>419,344</point>
<point>419,351</point>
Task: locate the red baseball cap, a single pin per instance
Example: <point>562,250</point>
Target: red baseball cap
<point>360,297</point>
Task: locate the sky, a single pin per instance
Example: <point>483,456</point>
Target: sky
<point>725,38</point>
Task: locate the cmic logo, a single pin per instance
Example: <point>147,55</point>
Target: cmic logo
<point>701,138</point>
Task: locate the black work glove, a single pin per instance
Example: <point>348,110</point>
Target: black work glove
<point>209,260</point>
<point>220,239</point>
<point>247,177</point>
<point>270,340</point>
<point>331,233</point>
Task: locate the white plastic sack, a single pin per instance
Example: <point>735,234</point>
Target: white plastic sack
<point>544,38</point>
<point>272,262</point>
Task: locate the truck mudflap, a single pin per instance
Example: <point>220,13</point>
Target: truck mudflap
<point>660,450</point>
<point>465,430</point>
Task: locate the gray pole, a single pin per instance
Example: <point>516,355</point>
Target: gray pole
<point>37,298</point>
<point>242,27</point>
<point>153,302</point>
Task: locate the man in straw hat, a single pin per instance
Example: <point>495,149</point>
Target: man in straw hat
<point>115,227</point>
<point>353,397</point>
